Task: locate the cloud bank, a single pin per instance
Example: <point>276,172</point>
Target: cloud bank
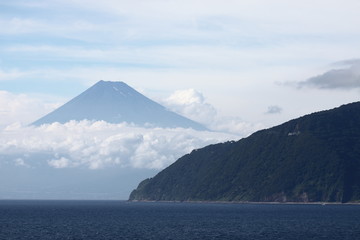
<point>99,144</point>
<point>95,145</point>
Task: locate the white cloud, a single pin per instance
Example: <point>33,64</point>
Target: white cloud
<point>20,26</point>
<point>10,74</point>
<point>36,25</point>
<point>99,144</point>
<point>59,163</point>
<point>192,104</point>
<point>187,97</point>
<point>197,34</point>
<point>21,108</point>
<point>150,17</point>
<point>236,125</point>
<point>20,162</point>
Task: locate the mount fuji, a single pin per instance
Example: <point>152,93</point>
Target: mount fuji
<point>116,102</point>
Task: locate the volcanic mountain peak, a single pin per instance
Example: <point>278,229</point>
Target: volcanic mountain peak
<point>116,102</point>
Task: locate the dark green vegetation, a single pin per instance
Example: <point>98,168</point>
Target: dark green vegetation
<point>309,159</point>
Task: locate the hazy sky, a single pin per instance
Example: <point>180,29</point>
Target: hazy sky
<point>260,61</point>
<point>235,66</point>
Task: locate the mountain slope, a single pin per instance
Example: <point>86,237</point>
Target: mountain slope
<point>116,102</point>
<point>312,158</point>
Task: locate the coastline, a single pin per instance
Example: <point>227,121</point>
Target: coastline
<point>195,202</point>
<point>248,202</point>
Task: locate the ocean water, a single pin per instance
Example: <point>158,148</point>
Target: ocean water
<point>148,220</point>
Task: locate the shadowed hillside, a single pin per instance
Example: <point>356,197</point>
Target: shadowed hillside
<point>309,159</point>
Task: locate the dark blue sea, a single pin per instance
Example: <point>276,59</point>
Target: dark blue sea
<point>148,220</point>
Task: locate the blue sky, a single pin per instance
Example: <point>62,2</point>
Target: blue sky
<point>245,57</point>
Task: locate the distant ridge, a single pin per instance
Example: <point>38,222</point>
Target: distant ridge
<point>315,158</point>
<point>116,102</point>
